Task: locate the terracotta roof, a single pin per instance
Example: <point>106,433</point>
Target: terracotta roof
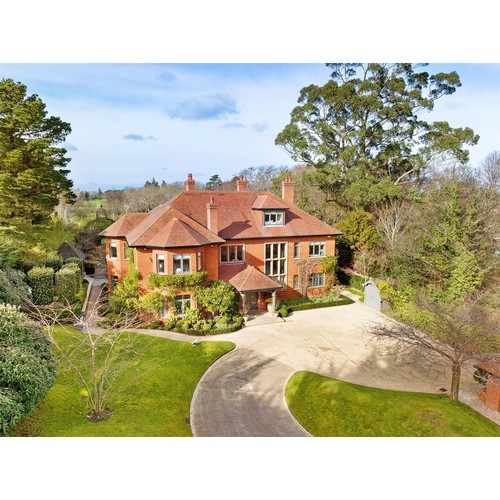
<point>247,278</point>
<point>491,367</point>
<point>182,221</point>
<point>264,201</point>
<point>123,225</point>
<point>237,219</point>
<point>167,227</point>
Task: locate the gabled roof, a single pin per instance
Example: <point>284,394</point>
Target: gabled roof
<point>247,278</point>
<point>264,201</point>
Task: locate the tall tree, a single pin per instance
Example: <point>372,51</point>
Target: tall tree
<point>33,170</point>
<point>364,134</point>
<point>214,182</point>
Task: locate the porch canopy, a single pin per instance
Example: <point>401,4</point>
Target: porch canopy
<point>248,279</point>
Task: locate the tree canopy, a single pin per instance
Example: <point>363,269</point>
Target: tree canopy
<point>364,133</point>
<point>33,173</point>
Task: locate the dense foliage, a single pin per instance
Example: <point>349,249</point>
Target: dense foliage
<point>364,134</point>
<point>41,280</point>
<point>219,297</point>
<point>174,282</point>
<point>14,287</point>
<point>33,170</point>
<point>27,366</point>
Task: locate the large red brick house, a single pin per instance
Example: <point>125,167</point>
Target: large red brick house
<point>253,240</point>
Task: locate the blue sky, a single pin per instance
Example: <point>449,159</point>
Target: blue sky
<point>132,122</point>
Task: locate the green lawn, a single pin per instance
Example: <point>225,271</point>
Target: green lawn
<point>154,393</point>
<point>328,407</point>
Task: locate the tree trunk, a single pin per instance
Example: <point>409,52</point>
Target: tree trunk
<point>455,381</point>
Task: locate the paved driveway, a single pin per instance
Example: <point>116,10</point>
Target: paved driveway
<point>242,394</point>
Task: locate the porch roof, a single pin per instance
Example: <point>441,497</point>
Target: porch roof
<point>247,278</point>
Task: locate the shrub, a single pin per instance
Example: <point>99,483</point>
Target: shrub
<point>27,366</point>
<point>66,285</point>
<point>13,287</point>
<point>41,280</point>
<point>77,275</point>
<point>283,312</point>
<point>298,305</point>
<point>55,261</point>
<point>219,297</point>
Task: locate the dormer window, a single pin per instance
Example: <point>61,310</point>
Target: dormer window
<point>274,217</point>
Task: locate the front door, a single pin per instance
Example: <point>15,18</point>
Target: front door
<point>253,301</point>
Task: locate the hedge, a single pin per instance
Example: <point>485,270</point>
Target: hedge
<point>177,281</point>
<point>314,305</point>
<point>54,261</point>
<point>213,331</point>
<point>77,275</point>
<point>66,285</point>
<point>41,280</point>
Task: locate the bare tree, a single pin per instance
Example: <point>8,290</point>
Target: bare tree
<point>365,261</point>
<point>455,333</point>
<point>305,267</point>
<point>490,170</point>
<point>96,355</point>
<point>391,221</point>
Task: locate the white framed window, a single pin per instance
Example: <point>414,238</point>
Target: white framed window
<point>182,263</point>
<point>295,281</point>
<point>200,261</point>
<point>296,250</point>
<point>160,264</point>
<point>275,262</point>
<point>114,281</point>
<point>113,250</point>
<point>181,304</point>
<point>317,249</point>
<point>316,279</point>
<point>231,253</point>
<point>273,217</point>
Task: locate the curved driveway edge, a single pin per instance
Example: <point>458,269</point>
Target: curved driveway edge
<point>241,394</point>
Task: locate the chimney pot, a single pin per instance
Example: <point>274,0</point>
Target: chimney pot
<point>212,216</point>
<point>287,189</point>
<point>241,184</point>
<point>190,184</point>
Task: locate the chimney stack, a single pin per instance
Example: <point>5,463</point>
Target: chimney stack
<point>241,184</point>
<point>287,189</point>
<point>212,219</point>
<point>190,184</point>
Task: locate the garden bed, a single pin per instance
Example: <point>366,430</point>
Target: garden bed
<point>314,302</point>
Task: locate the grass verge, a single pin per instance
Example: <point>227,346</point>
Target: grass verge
<point>328,407</point>
<point>153,395</point>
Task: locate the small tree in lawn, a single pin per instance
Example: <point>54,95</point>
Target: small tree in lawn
<point>218,297</point>
<point>305,267</point>
<point>457,333</point>
<point>96,356</point>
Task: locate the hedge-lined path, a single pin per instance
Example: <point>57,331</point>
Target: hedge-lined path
<point>242,394</point>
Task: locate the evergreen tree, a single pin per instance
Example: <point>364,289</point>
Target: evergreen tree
<point>33,170</point>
